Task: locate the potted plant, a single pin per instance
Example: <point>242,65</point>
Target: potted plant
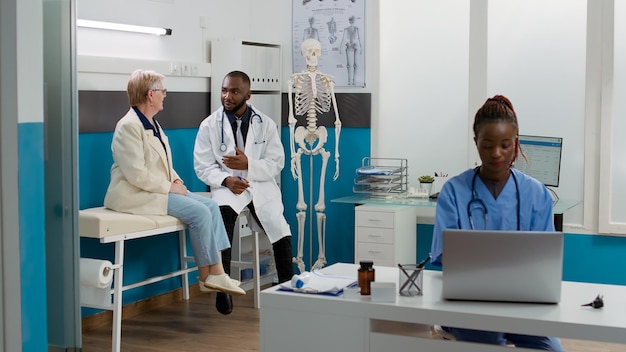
<point>426,182</point>
<point>426,179</point>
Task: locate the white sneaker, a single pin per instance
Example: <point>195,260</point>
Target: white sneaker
<point>205,289</point>
<point>224,284</point>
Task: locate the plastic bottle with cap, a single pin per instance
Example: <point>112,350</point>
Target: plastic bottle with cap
<point>298,281</point>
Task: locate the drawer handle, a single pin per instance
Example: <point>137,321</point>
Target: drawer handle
<point>373,252</point>
<point>374,220</point>
<point>374,236</point>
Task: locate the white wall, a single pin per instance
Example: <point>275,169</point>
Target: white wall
<point>267,21</point>
<point>29,63</point>
<point>613,144</point>
<point>437,68</point>
<point>422,114</point>
<point>430,64</point>
<point>536,57</point>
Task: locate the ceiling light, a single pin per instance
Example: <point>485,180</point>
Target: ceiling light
<point>123,27</point>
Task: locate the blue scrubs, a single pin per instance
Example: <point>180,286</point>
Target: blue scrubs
<point>535,214</point>
<point>451,213</point>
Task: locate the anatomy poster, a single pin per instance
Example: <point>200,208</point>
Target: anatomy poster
<point>339,25</point>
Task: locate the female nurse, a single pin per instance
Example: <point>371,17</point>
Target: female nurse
<point>494,196</point>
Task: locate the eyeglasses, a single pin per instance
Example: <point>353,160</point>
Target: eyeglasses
<point>163,90</point>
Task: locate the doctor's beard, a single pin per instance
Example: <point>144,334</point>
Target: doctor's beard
<point>236,108</point>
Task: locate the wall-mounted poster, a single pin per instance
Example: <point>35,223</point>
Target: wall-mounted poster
<point>339,25</point>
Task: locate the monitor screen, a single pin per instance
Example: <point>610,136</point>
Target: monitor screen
<point>544,158</point>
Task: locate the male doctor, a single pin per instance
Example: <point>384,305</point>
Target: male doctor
<point>238,153</point>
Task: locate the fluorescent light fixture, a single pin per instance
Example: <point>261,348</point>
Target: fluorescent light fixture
<point>124,27</point>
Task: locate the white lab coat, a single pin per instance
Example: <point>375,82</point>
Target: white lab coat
<point>266,159</point>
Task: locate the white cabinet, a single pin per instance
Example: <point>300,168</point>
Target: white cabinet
<point>385,234</point>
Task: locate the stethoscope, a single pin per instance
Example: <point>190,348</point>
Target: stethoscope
<point>475,200</point>
<point>256,135</point>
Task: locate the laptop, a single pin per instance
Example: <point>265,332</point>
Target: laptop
<point>507,266</point>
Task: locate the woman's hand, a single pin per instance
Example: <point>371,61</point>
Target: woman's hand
<point>178,187</point>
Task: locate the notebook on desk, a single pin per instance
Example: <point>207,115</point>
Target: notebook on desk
<point>509,266</point>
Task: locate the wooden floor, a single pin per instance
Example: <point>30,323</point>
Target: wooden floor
<point>195,325</point>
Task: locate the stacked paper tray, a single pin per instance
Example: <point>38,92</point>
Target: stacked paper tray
<point>381,176</point>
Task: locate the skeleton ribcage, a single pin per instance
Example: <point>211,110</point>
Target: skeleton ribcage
<point>304,97</point>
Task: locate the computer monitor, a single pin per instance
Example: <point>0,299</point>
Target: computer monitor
<point>544,158</point>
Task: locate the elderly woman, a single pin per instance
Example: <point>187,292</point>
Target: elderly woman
<point>143,181</point>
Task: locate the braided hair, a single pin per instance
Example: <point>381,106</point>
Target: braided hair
<point>496,109</point>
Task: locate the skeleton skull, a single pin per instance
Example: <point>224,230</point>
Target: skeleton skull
<point>311,50</point>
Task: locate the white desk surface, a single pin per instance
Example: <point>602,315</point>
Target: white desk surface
<point>567,319</point>
<point>396,199</point>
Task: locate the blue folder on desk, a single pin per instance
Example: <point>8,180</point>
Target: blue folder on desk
<point>321,284</point>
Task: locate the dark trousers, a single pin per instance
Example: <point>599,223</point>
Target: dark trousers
<point>282,248</point>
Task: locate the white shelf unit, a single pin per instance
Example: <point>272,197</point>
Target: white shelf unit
<point>261,61</point>
<point>385,234</point>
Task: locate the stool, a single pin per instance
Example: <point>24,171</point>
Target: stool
<point>246,226</point>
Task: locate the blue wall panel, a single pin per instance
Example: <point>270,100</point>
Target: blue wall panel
<point>588,258</point>
<point>354,145</point>
<point>144,258</point>
<point>95,160</point>
<point>32,236</point>
<point>594,258</point>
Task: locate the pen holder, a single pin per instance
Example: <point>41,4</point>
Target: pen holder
<point>411,279</point>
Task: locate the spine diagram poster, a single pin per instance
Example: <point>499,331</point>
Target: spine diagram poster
<point>339,26</point>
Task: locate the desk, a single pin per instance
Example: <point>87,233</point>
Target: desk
<point>426,207</point>
<point>293,321</point>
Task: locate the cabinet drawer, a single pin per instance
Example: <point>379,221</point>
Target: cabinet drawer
<point>374,235</point>
<point>374,219</point>
<point>374,251</point>
<point>378,262</point>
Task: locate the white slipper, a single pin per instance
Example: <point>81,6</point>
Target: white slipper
<point>223,283</point>
<point>205,289</point>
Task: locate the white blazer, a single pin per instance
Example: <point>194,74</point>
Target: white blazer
<point>266,158</point>
<point>142,171</point>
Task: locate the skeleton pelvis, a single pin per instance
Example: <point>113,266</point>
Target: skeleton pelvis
<point>319,134</point>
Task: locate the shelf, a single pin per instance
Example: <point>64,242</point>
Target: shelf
<point>266,279</point>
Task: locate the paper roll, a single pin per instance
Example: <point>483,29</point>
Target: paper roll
<point>95,272</point>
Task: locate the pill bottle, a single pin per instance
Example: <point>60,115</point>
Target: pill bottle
<point>366,276</point>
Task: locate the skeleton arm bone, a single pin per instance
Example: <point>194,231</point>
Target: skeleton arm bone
<point>292,125</point>
<point>331,86</point>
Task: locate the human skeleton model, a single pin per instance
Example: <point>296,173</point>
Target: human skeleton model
<point>352,42</point>
<point>314,92</point>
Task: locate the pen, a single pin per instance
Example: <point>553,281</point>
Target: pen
<point>423,262</point>
<point>244,180</point>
